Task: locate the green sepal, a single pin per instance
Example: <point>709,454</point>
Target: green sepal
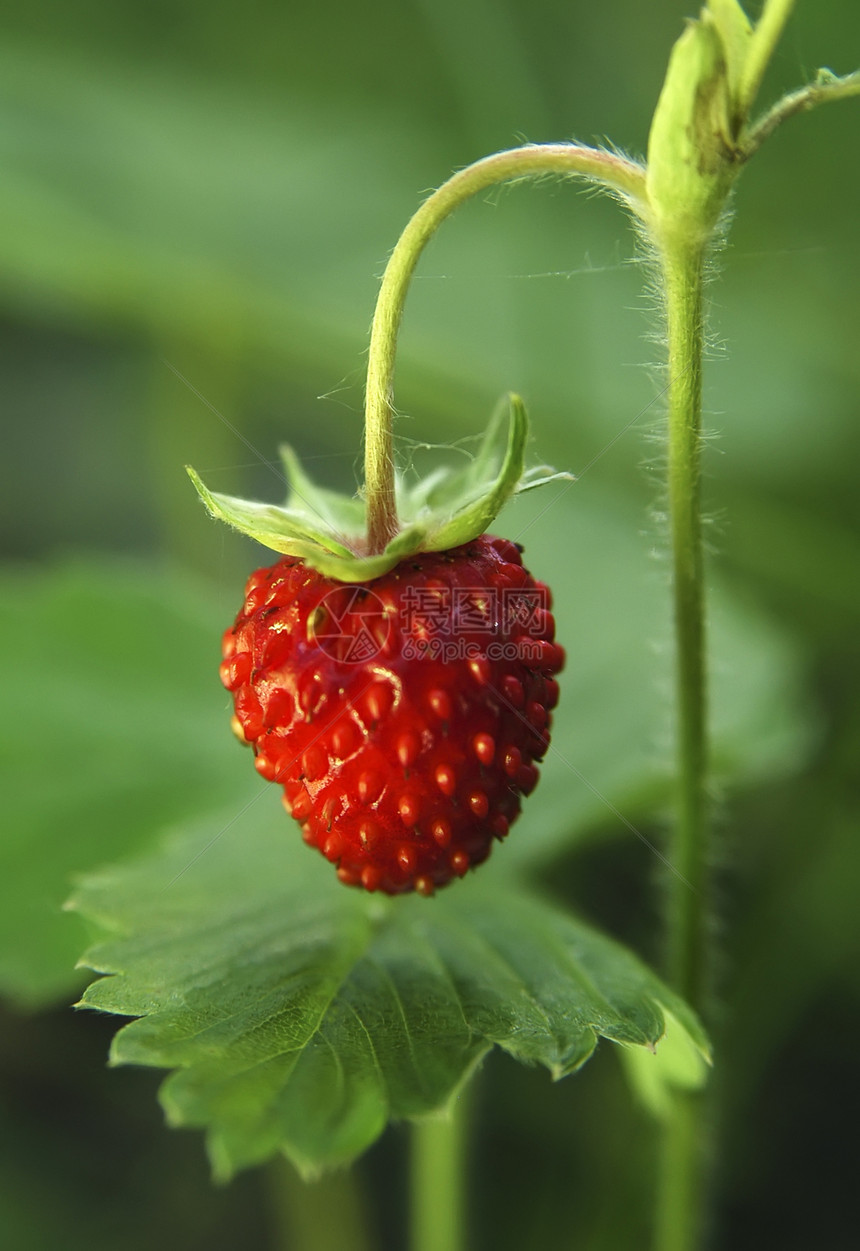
<point>473,497</point>
<point>448,508</point>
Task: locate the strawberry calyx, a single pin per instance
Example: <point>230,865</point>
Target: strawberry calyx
<point>449,507</point>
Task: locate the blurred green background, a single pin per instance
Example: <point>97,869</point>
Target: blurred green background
<point>196,203</point>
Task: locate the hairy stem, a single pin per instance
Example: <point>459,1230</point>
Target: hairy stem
<point>680,1187</point>
<point>622,176</point>
<point>824,89</point>
<point>683,275</point>
<point>438,1166</point>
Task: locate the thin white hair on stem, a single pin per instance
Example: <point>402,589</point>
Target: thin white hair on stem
<point>350,381</point>
<point>408,448</point>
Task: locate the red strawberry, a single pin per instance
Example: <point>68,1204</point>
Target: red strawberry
<point>402,715</point>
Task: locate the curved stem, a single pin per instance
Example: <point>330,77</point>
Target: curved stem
<point>621,175</point>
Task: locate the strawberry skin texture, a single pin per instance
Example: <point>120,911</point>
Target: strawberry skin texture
<point>403,734</point>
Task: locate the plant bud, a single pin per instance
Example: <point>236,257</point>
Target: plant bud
<point>691,161</point>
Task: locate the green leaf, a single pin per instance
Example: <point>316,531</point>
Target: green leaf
<point>113,724</point>
<point>301,1017</point>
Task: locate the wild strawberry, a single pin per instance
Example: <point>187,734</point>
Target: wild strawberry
<point>402,715</point>
<point>394,672</point>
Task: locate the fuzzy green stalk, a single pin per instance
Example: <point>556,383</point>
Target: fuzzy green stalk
<point>438,1181</point>
<point>825,88</point>
<point>681,1167</point>
<point>622,176</point>
<point>683,275</point>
